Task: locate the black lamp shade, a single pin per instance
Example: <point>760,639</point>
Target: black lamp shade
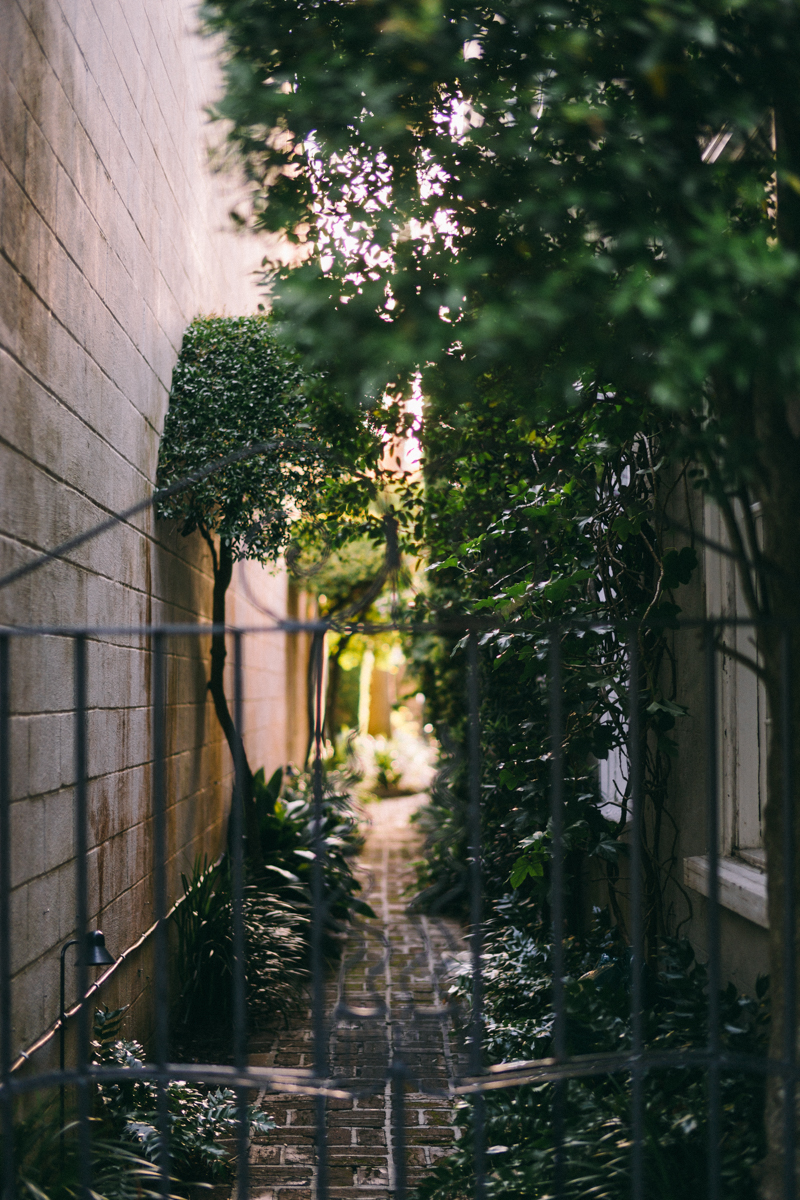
<point>96,953</point>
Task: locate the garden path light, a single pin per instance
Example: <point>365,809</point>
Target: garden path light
<point>96,956</point>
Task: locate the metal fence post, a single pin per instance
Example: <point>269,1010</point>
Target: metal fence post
<point>239,949</point>
<point>712,799</point>
<point>637,922</point>
<point>82,921</point>
<point>789,954</point>
<point>476,911</point>
<point>319,914</point>
<point>7,1115</point>
<point>160,904</point>
<point>557,899</point>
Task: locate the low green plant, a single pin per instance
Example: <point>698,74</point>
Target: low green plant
<point>288,839</point>
<point>125,1140</point>
<point>48,1168</point>
<point>275,945</point>
<point>388,776</point>
<point>199,1120</point>
<point>276,903</point>
<point>597,1109</point>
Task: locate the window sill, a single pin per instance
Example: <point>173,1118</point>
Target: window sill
<point>742,888</point>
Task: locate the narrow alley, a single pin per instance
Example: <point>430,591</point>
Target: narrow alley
<point>387,1005</point>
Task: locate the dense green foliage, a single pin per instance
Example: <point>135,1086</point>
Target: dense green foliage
<point>276,907</point>
<point>233,387</point>
<point>566,523</point>
<point>46,1171</point>
<point>537,171</point>
<point>126,1142</point>
<point>197,1119</point>
<point>288,834</point>
<point>236,385</point>
<point>597,1109</point>
<point>526,204</point>
<point>561,524</point>
<point>275,942</point>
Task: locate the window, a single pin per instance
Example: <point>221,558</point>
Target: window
<point>742,708</point>
<point>741,741</point>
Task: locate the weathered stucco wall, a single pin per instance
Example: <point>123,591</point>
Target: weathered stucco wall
<point>113,235</point>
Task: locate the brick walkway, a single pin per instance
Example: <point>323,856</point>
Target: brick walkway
<point>384,1007</point>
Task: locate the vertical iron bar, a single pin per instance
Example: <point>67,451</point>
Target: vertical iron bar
<point>7,1127</point>
<point>239,969</point>
<point>712,801</point>
<point>476,911</point>
<point>318,923</point>
<point>82,924</point>
<point>789,978</point>
<point>398,1072</point>
<point>637,919</point>
<point>557,899</point>
<point>160,901</point>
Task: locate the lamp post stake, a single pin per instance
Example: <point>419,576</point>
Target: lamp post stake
<point>96,956</point>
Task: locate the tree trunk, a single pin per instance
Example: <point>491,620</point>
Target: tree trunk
<point>223,572</point>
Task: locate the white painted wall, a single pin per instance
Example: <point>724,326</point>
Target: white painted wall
<point>113,235</point>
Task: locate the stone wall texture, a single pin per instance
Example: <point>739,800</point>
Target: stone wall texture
<point>114,233</point>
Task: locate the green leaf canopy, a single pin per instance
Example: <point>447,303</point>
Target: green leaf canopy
<point>234,386</point>
<point>578,192</point>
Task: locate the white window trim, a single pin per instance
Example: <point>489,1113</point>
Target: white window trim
<point>742,887</point>
<point>742,738</point>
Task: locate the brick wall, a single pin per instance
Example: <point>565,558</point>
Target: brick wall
<point>113,234</point>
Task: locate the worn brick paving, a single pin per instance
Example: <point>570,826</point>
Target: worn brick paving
<point>385,1007</point>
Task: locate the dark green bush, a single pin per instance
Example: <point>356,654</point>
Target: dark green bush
<point>277,905</point>
<point>287,840</point>
<point>519,1025</point>
<point>197,1118</point>
<point>47,1169</point>
<point>233,386</point>
<point>125,1138</point>
<point>443,871</point>
<point>275,941</point>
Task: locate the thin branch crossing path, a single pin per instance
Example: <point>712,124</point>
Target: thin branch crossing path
<point>390,1042</point>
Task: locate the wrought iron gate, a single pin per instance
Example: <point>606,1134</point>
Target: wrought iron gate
<point>314,1081</point>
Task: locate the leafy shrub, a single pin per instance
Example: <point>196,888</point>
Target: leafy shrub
<point>287,841</point>
<point>275,947</point>
<point>276,906</point>
<point>443,871</point>
<point>519,1025</point>
<point>47,1168</point>
<point>197,1119</point>
<point>125,1138</point>
<point>388,776</point>
<point>234,386</point>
